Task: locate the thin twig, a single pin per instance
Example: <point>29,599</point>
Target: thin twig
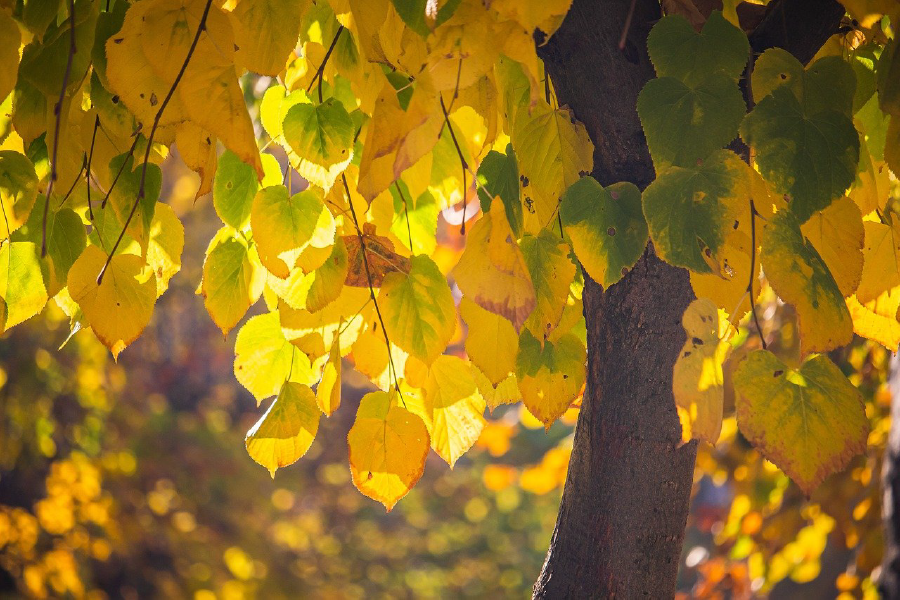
<point>156,119</point>
<point>362,247</point>
<point>462,160</point>
<point>753,215</point>
<point>456,87</point>
<point>87,177</point>
<point>74,181</point>
<point>115,180</point>
<point>321,70</point>
<point>57,110</point>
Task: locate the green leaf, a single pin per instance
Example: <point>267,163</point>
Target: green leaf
<point>284,226</point>
<point>322,137</point>
<point>684,124</point>
<point>416,220</point>
<point>315,290</point>
<point>422,15</point>
<point>811,157</point>
<point>678,51</point>
<point>547,258</point>
<point>125,193</point>
<point>809,421</point>
<point>109,22</point>
<point>287,430</point>
<point>498,175</point>
<point>606,226</point>
<point>264,359</point>
<point>419,314</point>
<point>691,210</point>
<point>21,282</point>
<point>233,279</point>
<point>828,84</point>
<point>234,187</point>
<point>799,276</point>
<point>550,374</point>
<point>66,239</point>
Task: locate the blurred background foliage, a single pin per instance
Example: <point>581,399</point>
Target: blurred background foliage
<point>131,480</point>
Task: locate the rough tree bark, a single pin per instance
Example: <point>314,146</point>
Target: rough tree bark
<point>624,508</point>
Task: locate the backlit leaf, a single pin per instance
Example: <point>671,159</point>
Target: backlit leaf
<point>322,137</point>
<point>418,310</point>
<point>287,429</point>
<point>328,394</point>
<point>492,271</point>
<point>550,375</point>
<point>607,227</point>
<point>800,277</point>
<point>552,272</point>
<point>232,280</point>
<point>810,421</point>
<point>388,445</point>
<point>120,306</point>
<point>18,190</point>
<point>265,33</point>
<point>837,235</point>
<point>491,342</point>
<point>453,408</point>
<point>881,270</point>
<point>265,359</point>
<point>697,378</point>
<point>21,282</point>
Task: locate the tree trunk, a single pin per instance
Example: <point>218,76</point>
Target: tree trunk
<point>624,508</point>
<point>889,584</point>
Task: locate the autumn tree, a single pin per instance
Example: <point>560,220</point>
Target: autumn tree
<point>627,185</point>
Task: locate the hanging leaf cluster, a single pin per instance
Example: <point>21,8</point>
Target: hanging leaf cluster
<point>341,141</point>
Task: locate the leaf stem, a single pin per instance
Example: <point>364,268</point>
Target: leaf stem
<point>753,215</point>
<point>156,119</point>
<point>74,182</point>
<point>362,247</point>
<point>115,180</point>
<point>87,176</point>
<point>57,111</point>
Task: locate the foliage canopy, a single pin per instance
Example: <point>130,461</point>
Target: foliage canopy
<point>397,111</point>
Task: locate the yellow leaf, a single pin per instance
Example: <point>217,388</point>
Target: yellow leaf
<point>800,277</point>
<point>120,306</point>
<point>165,247</point>
<point>545,15</point>
<point>287,430</point>
<point>265,33</point>
<point>370,357</point>
<point>505,392</point>
<point>837,235</point>
<point>810,421</point>
<point>285,226</point>
<point>314,332</point>
<point>396,138</point>
<point>197,148</point>
<point>491,342</point>
<point>22,285</point>
<point>553,151</point>
<point>877,319</point>
<point>729,290</point>
<point>453,408</point>
<point>18,190</point>
<point>328,394</point>
<point>264,359</point>
<point>419,314</point>
<point>146,55</point>
<point>547,258</point>
<point>315,290</point>
<point>10,38</point>
<point>388,445</point>
<point>881,270</point>
<point>697,377</point>
<point>550,375</point>
<point>232,281</point>
<point>492,271</point>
